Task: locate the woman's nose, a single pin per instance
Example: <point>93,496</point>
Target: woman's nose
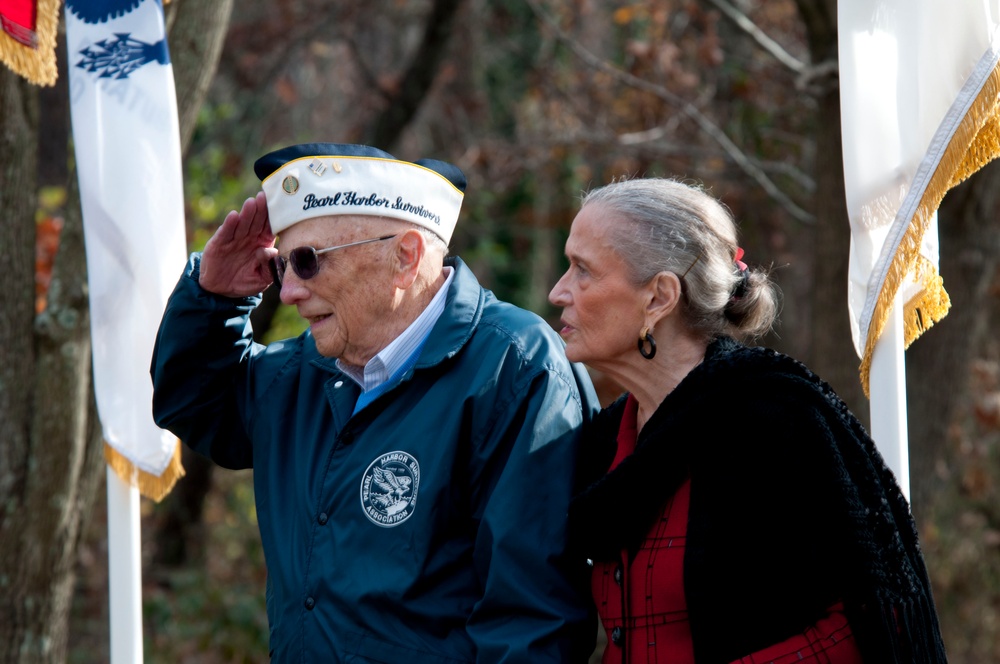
<point>559,296</point>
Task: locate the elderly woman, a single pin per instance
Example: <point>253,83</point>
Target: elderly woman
<point>734,509</point>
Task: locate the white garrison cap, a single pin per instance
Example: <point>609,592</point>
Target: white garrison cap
<point>321,179</point>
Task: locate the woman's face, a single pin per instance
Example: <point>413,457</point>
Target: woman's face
<point>603,312</point>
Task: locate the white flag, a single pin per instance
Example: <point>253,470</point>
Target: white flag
<point>919,87</point>
<point>128,159</point>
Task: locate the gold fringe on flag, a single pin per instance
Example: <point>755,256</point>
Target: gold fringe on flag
<point>149,485</point>
<point>38,64</point>
<point>975,143</point>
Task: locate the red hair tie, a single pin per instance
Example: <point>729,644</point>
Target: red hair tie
<point>741,286</point>
<point>740,264</point>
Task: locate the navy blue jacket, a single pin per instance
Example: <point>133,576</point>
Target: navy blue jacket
<point>428,527</point>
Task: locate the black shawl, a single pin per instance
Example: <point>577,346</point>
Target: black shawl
<point>792,509</point>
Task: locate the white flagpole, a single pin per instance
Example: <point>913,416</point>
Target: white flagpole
<point>887,383</point>
<point>124,571</point>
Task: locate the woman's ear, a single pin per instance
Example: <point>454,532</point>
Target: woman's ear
<point>410,250</point>
<point>664,296</point>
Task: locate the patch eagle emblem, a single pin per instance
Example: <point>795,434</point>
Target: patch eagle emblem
<point>389,488</point>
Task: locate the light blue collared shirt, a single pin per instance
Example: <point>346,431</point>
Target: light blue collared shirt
<point>390,359</point>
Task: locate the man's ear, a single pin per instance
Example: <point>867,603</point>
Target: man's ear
<point>410,250</point>
<point>663,297</point>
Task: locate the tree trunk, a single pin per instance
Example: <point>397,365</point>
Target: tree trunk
<point>953,457</point>
<point>18,133</point>
<point>416,82</point>
<point>969,229</point>
<point>197,33</point>
<point>50,452</point>
<point>832,353</point>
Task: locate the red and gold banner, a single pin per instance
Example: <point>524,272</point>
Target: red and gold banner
<point>28,38</point>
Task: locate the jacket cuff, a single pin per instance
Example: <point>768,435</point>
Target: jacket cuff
<point>192,272</point>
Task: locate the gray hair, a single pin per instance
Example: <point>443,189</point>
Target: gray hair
<point>434,241</point>
<point>669,226</point>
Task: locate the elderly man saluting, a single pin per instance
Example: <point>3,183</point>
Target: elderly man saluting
<point>413,450</point>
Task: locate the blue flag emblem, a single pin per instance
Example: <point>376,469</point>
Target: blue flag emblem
<point>119,55</point>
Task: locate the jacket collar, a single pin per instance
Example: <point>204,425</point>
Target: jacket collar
<point>462,312</point>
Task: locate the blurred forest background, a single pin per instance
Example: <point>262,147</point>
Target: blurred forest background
<point>537,101</point>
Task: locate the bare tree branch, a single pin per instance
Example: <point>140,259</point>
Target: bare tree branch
<point>744,23</point>
<point>704,123</point>
<point>366,72</point>
<point>651,141</point>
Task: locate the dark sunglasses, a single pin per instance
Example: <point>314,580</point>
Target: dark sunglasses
<point>305,260</point>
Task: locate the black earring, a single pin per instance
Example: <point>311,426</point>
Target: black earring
<point>645,337</point>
